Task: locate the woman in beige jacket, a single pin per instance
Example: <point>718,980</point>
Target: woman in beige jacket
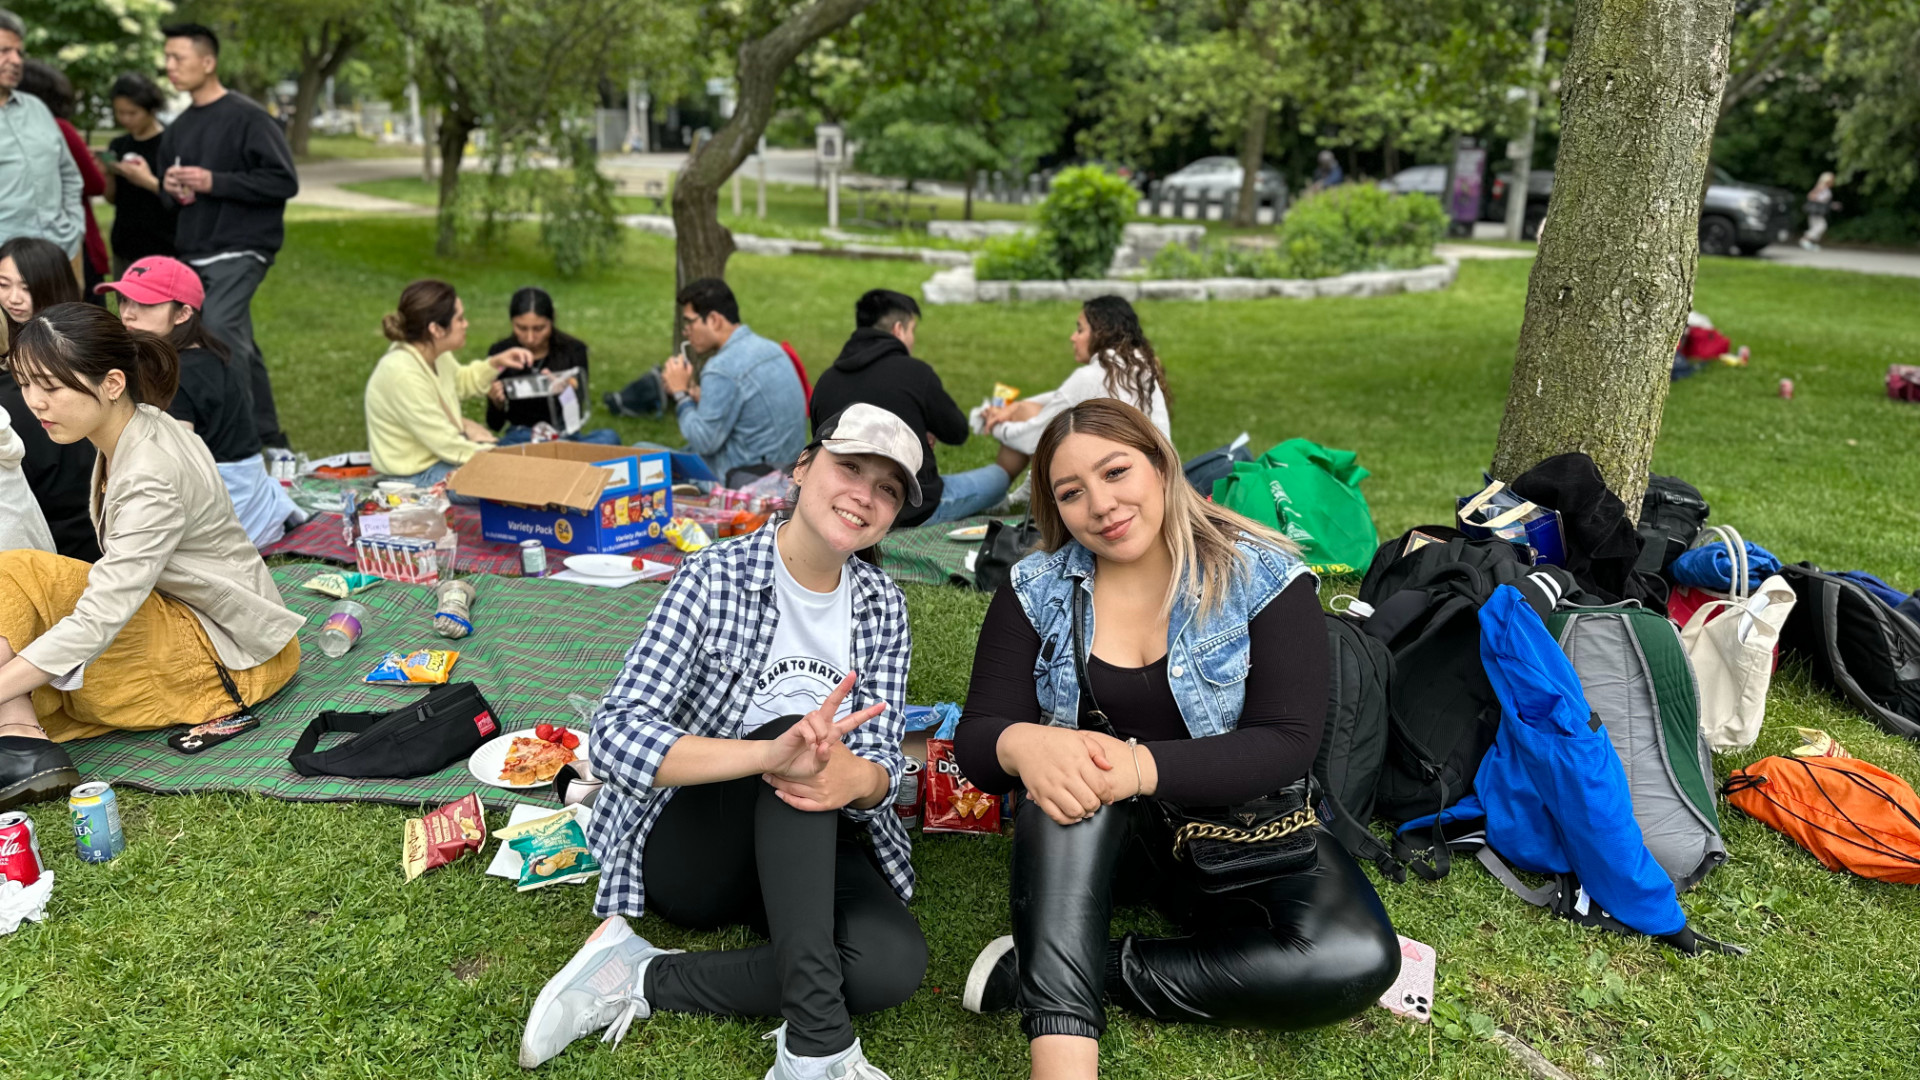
<point>179,622</point>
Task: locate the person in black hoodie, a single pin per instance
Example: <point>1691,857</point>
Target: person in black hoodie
<point>877,367</point>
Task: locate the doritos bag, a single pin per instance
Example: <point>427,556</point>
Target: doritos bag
<point>1850,814</point>
<point>954,805</point>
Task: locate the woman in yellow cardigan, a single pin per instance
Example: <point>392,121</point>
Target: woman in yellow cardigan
<point>414,426</point>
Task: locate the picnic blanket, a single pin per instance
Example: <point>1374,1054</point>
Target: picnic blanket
<point>924,556</point>
<point>534,642</point>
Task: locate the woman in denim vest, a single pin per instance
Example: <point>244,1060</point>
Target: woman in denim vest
<point>1207,651</point>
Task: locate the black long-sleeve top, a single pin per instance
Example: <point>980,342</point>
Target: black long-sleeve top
<point>253,177</point>
<point>1273,745</point>
<point>564,351</point>
<point>874,368</point>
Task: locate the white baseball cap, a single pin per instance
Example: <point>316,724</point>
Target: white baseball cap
<point>870,429</point>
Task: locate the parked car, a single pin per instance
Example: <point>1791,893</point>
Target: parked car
<point>1736,218</point>
<point>1222,175</point>
<point>1426,179</point>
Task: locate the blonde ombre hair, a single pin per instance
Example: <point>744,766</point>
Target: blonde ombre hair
<point>1199,534</point>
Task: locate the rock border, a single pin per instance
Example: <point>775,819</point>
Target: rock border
<point>748,244</point>
<point>957,285</point>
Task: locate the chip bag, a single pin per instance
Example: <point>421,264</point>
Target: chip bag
<point>1003,394</point>
<point>341,585</point>
<point>425,666</point>
<point>553,851</point>
<point>443,836</point>
<point>687,535</point>
<point>954,805</point>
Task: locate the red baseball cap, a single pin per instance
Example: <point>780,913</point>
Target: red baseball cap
<point>157,279</point>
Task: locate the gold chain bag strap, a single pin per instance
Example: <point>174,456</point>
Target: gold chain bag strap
<point>1229,847</point>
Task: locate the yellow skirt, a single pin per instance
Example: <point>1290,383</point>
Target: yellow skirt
<point>160,671</point>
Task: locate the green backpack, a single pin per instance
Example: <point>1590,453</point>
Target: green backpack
<point>1312,494</point>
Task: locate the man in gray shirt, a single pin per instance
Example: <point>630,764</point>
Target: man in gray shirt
<point>39,183</point>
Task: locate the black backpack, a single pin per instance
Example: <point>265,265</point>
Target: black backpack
<point>1353,744</point>
<point>1672,513</point>
<point>1857,645</point>
<point>1416,553</point>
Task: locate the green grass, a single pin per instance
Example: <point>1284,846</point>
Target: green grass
<point>242,937</point>
<point>332,147</point>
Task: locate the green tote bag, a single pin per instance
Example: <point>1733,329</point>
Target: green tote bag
<point>1312,494</point>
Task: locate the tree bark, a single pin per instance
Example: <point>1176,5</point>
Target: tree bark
<point>702,245</point>
<point>319,61</point>
<point>1610,288</point>
<point>1253,150</point>
<point>454,130</point>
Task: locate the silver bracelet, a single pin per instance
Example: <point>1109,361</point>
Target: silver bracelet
<point>1139,782</point>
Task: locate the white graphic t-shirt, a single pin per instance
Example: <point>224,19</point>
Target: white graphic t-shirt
<point>812,649</point>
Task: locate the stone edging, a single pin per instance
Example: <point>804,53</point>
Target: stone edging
<point>958,286</point>
<point>746,243</point>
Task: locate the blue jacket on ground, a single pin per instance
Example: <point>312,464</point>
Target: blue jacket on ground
<point>752,409</point>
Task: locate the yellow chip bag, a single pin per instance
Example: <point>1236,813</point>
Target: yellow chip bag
<point>425,666</point>
<point>1003,393</point>
<point>687,535</point>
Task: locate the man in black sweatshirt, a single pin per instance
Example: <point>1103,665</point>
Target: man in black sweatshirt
<point>225,168</point>
<point>877,367</point>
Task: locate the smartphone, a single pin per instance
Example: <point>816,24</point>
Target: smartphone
<point>1411,995</point>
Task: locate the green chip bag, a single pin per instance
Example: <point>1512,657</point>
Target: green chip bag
<point>552,849</point>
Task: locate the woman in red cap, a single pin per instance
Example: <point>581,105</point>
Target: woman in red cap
<point>163,297</point>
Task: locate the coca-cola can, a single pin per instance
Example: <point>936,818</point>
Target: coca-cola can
<point>1786,389</point>
<point>19,849</point>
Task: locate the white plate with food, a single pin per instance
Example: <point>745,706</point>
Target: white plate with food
<point>520,760</point>
<point>602,565</point>
<point>968,532</point>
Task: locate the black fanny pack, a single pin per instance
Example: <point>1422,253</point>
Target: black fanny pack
<point>1229,847</point>
<point>444,727</point>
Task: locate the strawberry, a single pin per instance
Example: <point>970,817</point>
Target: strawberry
<point>569,740</point>
<point>543,731</point>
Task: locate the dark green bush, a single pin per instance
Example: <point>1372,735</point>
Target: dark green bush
<point>1016,257</point>
<point>1359,227</point>
<point>1083,218</point>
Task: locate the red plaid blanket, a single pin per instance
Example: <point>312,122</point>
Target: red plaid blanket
<point>325,537</point>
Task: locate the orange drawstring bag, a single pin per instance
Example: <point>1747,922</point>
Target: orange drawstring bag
<point>1852,815</point>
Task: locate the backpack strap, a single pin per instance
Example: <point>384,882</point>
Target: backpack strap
<point>1359,840</point>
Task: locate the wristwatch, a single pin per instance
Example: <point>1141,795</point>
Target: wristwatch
<point>681,398</point>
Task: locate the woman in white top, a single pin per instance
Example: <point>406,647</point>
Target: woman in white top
<point>24,526</point>
<point>1117,362</point>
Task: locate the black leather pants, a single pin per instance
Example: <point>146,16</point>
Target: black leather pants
<point>1311,948</point>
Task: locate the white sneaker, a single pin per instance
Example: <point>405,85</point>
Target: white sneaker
<point>851,1064</point>
<point>601,987</point>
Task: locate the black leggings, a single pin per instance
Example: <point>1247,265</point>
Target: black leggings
<point>842,942</point>
<point>1311,948</point>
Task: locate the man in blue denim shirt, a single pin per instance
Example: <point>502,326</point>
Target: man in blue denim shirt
<point>749,408</point>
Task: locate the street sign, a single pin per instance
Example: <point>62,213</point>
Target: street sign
<point>830,143</point>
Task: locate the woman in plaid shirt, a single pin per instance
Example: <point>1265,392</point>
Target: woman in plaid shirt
<point>752,738</point>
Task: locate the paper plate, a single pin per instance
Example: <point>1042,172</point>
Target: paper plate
<point>486,762</point>
<point>601,565</point>
<point>968,532</point>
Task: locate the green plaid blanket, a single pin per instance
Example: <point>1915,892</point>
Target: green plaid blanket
<point>925,556</point>
<point>534,642</point>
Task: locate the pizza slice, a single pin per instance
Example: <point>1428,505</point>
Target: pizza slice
<point>533,761</point>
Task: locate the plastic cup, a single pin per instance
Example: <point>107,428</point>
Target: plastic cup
<point>343,627</point>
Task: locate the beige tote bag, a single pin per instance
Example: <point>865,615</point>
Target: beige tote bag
<point>1733,654</point>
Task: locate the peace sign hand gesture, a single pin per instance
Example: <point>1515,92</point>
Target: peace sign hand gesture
<point>810,767</point>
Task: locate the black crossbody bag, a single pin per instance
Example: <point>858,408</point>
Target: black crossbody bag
<point>1229,847</point>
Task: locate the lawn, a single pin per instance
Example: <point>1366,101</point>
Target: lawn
<point>242,937</point>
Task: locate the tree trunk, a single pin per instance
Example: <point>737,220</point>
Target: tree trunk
<point>453,146</point>
<point>702,245</point>
<point>966,208</point>
<point>1613,280</point>
<point>1522,185</point>
<point>1253,150</point>
<point>300,126</point>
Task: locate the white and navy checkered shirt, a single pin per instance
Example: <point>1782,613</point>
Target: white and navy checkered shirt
<point>691,673</point>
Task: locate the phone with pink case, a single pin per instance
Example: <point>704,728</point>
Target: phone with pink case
<point>1411,995</point>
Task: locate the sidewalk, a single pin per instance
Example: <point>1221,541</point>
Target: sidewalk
<point>320,184</point>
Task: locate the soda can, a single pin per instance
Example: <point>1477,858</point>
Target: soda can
<point>19,849</point>
<point>533,559</point>
<point>97,836</point>
<point>1786,389</point>
<point>908,796</point>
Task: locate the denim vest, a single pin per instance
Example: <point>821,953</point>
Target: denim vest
<point>1207,658</point>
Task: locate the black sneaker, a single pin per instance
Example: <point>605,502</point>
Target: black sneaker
<point>33,770</point>
<point>995,978</point>
<point>617,407</point>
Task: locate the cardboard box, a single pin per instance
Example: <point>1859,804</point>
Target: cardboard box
<point>577,497</point>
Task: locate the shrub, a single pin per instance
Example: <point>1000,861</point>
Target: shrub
<point>1359,227</point>
<point>1017,257</point>
<point>1083,217</point>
